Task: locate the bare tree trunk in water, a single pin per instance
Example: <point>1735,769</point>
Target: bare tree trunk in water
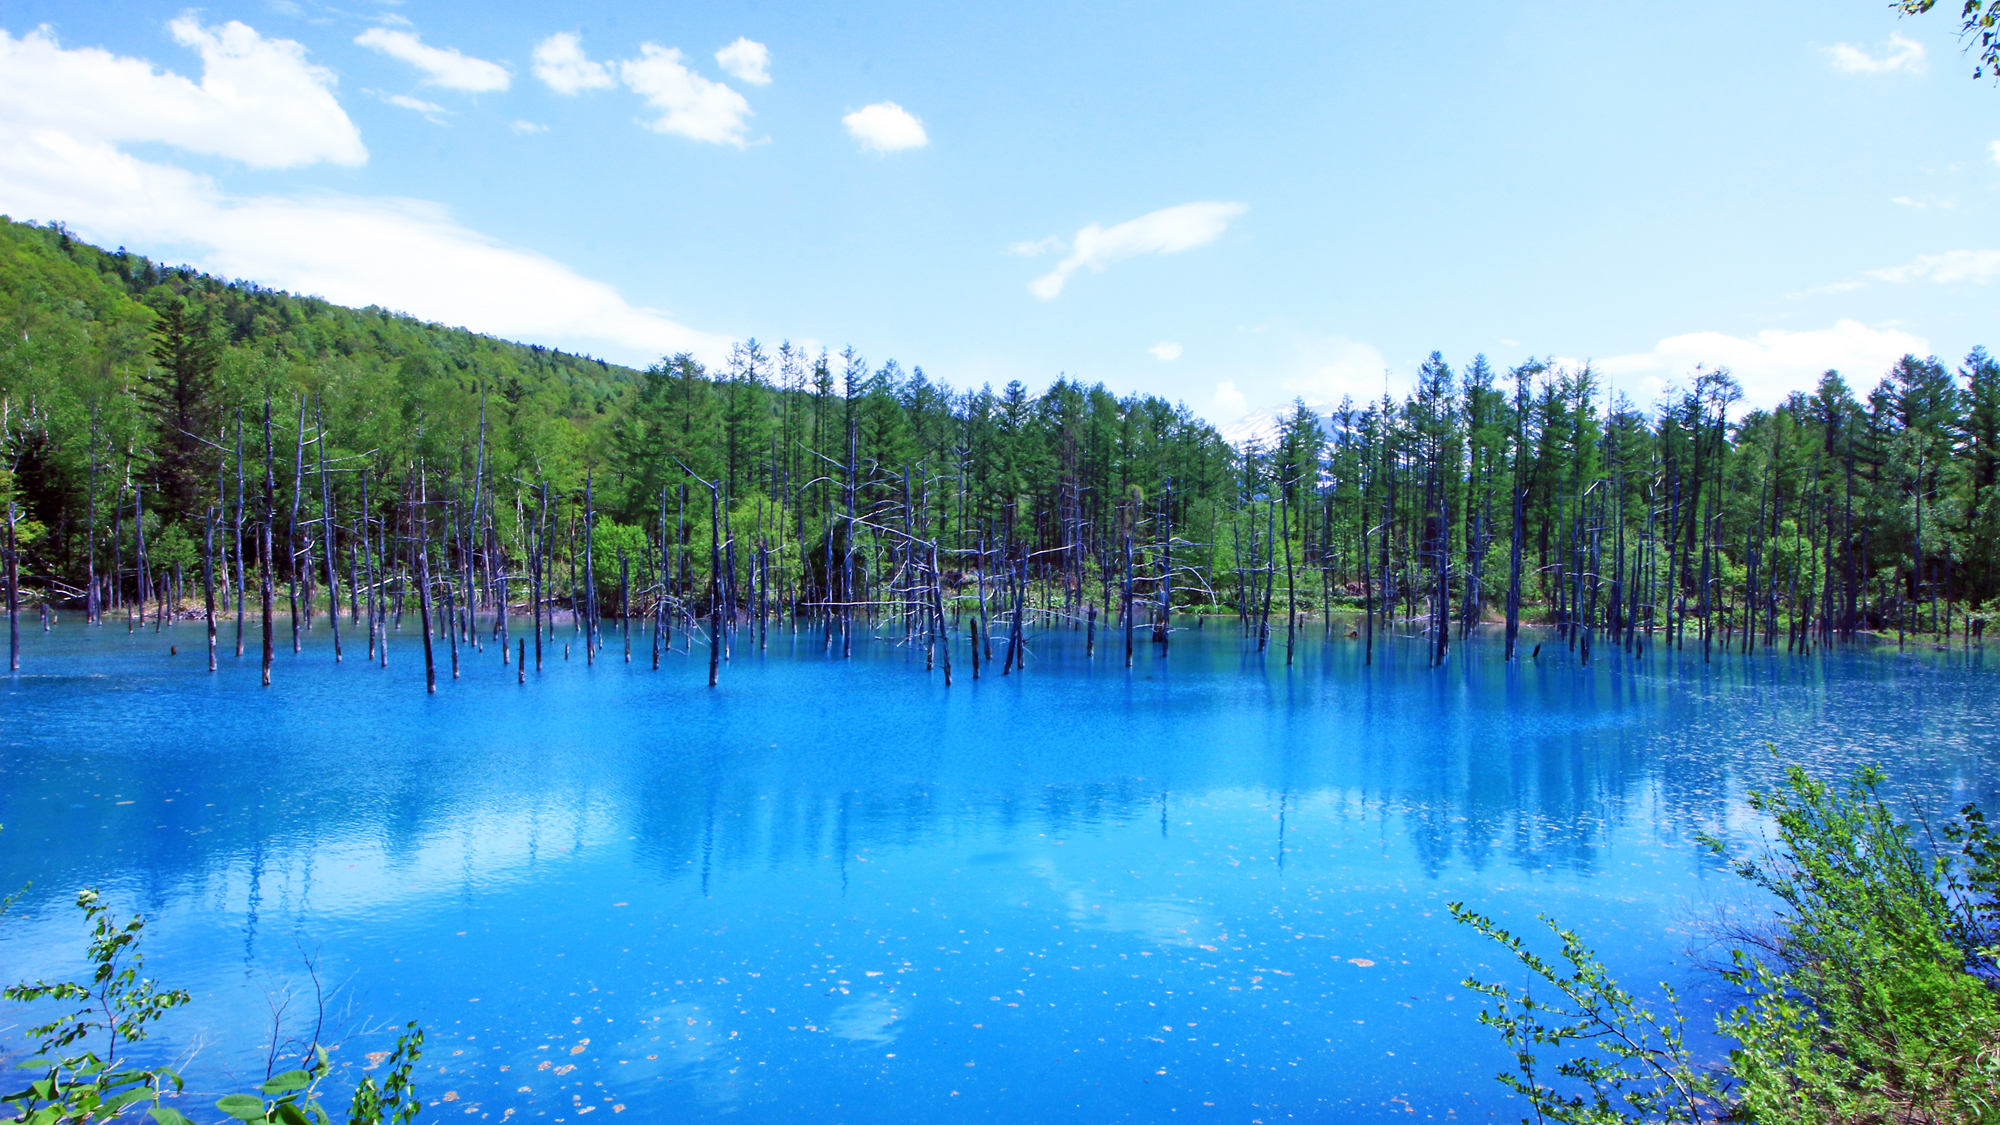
<point>326,522</point>
<point>450,621</point>
<point>1017,656</point>
<point>538,574</point>
<point>208,581</point>
<point>1291,587</point>
<point>91,607</point>
<point>139,530</point>
<point>292,528</point>
<point>13,595</point>
<point>1125,602</point>
<point>937,608</point>
<point>424,608</point>
<point>714,585</point>
<point>242,570</point>
<point>660,635</point>
<point>264,542</point>
<point>589,572</point>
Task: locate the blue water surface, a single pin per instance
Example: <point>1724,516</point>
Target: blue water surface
<point>1210,887</point>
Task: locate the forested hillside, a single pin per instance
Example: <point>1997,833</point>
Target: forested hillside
<point>158,424</point>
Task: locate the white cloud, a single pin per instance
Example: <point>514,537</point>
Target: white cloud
<point>560,63</point>
<point>528,128</point>
<point>1773,363</point>
<point>1166,231</point>
<point>1953,265</point>
<point>1230,405</point>
<point>1831,287</point>
<point>443,66</point>
<point>886,127</point>
<point>1330,368</point>
<point>432,112</point>
<point>61,162</point>
<point>402,254</point>
<point>746,59</point>
<point>1993,150</point>
<point>692,106</point>
<point>1167,350</point>
<point>1901,54</point>
<point>259,101</point>
<point>1035,248</point>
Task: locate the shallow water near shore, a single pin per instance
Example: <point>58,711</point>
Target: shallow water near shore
<point>1208,887</point>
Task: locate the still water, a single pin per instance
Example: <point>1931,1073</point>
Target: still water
<point>1207,888</point>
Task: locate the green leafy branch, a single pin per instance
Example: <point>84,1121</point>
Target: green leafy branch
<point>78,1086</point>
<point>1979,20</point>
<point>82,1085</point>
<point>1872,1000</point>
<point>1634,1062</point>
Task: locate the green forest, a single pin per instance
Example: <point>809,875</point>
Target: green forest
<point>173,439</point>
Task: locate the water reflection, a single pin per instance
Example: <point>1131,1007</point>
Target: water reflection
<point>833,882</point>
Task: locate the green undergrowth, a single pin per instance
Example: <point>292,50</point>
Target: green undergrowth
<point>1870,997</point>
<point>79,1076</point>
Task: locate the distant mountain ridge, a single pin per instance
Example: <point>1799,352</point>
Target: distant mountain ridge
<point>1262,427</point>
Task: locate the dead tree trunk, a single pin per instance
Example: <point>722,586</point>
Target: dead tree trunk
<point>242,569</point>
<point>714,584</point>
<point>208,582</point>
<point>326,522</point>
<point>13,594</point>
<point>264,544</point>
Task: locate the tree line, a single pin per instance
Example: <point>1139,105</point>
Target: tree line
<point>173,439</point>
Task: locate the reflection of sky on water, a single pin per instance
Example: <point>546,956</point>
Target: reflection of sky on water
<point>1210,885</point>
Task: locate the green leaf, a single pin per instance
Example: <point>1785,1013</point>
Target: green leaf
<point>113,1105</point>
<point>243,1107</point>
<point>168,1115</point>
<point>291,1114</point>
<point>287,1082</point>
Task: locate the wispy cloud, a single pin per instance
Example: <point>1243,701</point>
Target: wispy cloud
<point>691,106</point>
<point>1829,288</point>
<point>527,128</point>
<point>432,112</point>
<point>886,127</point>
<point>1167,350</point>
<point>1900,54</point>
<point>562,66</point>
<point>1036,247</point>
<point>746,60</point>
<point>1953,265</point>
<point>1169,230</point>
<point>442,66</point>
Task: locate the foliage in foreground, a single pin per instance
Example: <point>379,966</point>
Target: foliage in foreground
<point>115,1007</point>
<point>1871,1000</point>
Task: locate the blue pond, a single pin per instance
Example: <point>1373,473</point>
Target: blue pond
<point>1208,888</point>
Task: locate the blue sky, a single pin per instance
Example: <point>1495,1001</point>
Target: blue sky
<point>1241,205</point>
